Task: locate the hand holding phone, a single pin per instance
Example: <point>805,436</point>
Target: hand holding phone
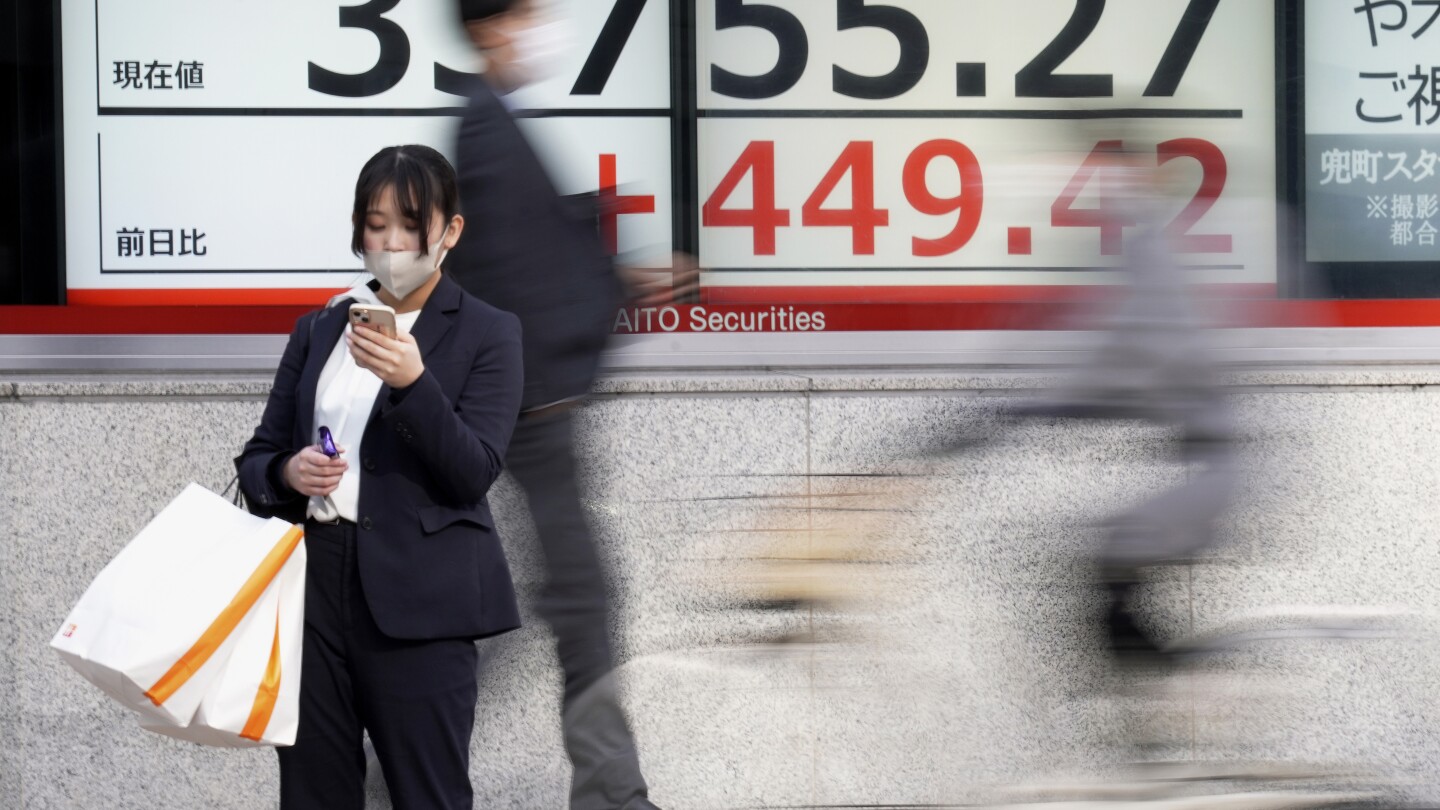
<point>395,358</point>
<point>374,316</point>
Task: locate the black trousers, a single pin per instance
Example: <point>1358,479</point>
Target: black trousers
<point>574,603</point>
<point>415,698</point>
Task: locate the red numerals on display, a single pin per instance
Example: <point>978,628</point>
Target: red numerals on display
<point>1112,220</point>
<point>969,202</point>
<point>1107,217</point>
<point>1212,182</point>
<point>758,160</point>
<point>863,218</point>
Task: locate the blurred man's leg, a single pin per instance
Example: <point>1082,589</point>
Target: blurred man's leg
<point>574,603</point>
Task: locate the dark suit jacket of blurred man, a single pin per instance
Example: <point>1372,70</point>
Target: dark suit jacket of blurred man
<point>531,252</point>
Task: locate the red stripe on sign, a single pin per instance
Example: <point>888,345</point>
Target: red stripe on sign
<point>118,320</point>
<point>921,294</point>
<point>998,315</point>
<point>796,318</point>
<point>1352,314</point>
<point>937,294</point>
<point>731,318</point>
<point>311,298</point>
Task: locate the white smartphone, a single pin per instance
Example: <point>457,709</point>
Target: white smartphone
<point>374,316</point>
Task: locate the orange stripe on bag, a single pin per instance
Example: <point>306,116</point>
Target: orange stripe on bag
<point>224,624</point>
<point>268,693</point>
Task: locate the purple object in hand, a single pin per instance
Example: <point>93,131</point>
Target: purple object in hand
<point>327,443</point>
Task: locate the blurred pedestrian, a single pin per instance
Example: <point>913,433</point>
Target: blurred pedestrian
<point>538,254</point>
<point>1155,362</point>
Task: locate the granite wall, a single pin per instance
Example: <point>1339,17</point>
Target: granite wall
<point>956,655</point>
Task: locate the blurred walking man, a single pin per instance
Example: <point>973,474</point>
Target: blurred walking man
<point>538,255</point>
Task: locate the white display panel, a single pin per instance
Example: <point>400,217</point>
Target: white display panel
<point>1013,54</point>
<point>261,54</point>
<point>277,194</point>
<point>895,102</point>
<point>1006,227</point>
<point>1018,94</point>
<point>209,147</point>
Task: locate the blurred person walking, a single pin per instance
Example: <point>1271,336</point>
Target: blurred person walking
<point>538,255</point>
<point>1155,362</point>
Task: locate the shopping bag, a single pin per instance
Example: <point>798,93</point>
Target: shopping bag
<point>157,627</point>
<point>255,697</point>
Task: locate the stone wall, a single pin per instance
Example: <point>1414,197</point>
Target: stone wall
<point>962,657</point>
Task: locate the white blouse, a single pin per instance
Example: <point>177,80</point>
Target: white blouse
<point>344,398</point>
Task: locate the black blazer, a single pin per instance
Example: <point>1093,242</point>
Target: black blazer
<point>529,251</point>
<point>430,561</point>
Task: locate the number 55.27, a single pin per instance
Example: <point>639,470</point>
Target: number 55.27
<point>1037,79</point>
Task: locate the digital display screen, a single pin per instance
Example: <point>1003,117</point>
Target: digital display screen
<point>211,149</point>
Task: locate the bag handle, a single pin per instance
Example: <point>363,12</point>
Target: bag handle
<point>237,498</point>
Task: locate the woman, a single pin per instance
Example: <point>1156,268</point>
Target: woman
<point>405,569</point>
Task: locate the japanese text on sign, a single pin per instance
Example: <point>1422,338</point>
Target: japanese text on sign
<point>157,75</point>
<point>160,241</point>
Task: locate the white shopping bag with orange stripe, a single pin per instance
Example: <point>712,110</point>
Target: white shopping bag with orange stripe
<point>198,623</point>
<point>255,697</point>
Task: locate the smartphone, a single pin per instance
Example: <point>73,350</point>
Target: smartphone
<point>327,443</point>
<point>375,316</point>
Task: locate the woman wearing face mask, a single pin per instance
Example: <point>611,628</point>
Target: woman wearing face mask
<point>405,569</point>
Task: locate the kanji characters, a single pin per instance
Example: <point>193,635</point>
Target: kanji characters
<point>157,75</point>
<point>135,242</point>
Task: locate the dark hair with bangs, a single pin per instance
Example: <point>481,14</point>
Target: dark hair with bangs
<point>424,181</point>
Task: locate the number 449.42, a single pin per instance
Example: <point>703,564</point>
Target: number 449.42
<point>863,217</point>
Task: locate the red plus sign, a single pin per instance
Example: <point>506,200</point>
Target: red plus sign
<point>613,205</point>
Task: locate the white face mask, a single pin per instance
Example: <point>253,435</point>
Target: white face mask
<point>540,51</point>
<point>407,271</point>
